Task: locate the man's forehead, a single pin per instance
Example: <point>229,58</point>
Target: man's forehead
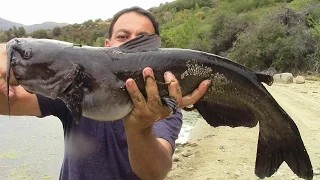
<point>132,21</point>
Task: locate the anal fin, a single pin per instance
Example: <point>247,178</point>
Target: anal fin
<point>219,114</point>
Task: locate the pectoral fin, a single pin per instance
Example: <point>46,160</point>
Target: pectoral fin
<point>74,93</point>
<point>142,43</point>
<point>266,78</point>
<point>170,102</point>
<point>73,100</point>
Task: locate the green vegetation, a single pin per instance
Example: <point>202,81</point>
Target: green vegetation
<point>10,155</point>
<point>20,172</point>
<point>282,34</point>
<point>46,176</point>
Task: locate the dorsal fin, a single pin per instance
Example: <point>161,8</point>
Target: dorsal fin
<point>142,43</point>
<point>266,78</point>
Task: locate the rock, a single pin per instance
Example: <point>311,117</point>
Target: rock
<point>300,80</point>
<point>277,78</point>
<point>209,136</point>
<point>237,173</point>
<point>176,158</point>
<point>191,144</point>
<point>222,148</point>
<point>186,153</point>
<point>285,78</point>
<point>270,70</point>
<point>316,171</point>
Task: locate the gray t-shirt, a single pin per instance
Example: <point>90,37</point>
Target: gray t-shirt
<point>98,150</point>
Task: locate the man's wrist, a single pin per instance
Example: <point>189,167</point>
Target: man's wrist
<point>133,130</point>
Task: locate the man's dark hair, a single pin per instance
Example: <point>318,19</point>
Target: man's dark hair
<point>137,10</point>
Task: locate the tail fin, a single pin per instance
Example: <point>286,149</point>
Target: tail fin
<point>272,151</point>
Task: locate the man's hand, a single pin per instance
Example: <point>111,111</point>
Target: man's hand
<point>3,69</point>
<point>3,65</point>
<point>146,112</point>
<point>151,157</point>
<point>21,102</point>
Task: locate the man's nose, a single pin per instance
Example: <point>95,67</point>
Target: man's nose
<point>133,35</point>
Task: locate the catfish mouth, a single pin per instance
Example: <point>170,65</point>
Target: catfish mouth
<point>17,56</point>
<point>37,76</point>
<point>17,66</point>
<point>12,57</point>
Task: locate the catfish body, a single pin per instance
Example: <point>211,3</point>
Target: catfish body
<point>90,80</point>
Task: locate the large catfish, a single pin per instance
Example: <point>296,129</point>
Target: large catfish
<point>91,82</point>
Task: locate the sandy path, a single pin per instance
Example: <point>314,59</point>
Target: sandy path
<point>229,153</point>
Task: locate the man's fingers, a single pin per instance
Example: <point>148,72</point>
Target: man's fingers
<point>135,94</point>
<point>174,87</point>
<point>154,102</point>
<point>196,94</point>
<point>151,87</point>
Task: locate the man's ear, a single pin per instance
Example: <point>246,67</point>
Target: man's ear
<point>107,43</point>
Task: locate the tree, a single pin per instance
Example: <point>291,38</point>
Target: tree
<point>282,41</point>
<point>3,36</point>
<point>56,31</point>
<point>21,32</point>
<point>42,33</point>
<point>99,42</point>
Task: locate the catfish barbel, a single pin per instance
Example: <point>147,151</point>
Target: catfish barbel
<point>91,82</point>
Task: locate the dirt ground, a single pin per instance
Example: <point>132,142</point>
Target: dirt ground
<point>229,153</point>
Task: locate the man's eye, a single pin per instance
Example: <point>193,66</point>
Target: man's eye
<point>122,37</point>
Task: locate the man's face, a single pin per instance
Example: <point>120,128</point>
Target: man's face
<point>128,26</point>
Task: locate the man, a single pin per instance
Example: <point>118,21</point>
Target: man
<point>132,148</point>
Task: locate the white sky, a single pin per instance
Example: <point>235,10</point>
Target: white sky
<point>29,12</point>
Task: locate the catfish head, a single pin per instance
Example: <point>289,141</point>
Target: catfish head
<point>38,66</point>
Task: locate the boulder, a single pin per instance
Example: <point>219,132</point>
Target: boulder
<point>285,78</point>
<point>300,80</point>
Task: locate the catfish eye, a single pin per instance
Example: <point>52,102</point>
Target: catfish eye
<point>27,53</point>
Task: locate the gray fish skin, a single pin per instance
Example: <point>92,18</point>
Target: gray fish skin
<point>91,81</point>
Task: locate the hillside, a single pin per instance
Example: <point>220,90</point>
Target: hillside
<point>45,25</point>
<point>6,25</point>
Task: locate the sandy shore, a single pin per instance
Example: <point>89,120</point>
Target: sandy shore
<point>229,153</point>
